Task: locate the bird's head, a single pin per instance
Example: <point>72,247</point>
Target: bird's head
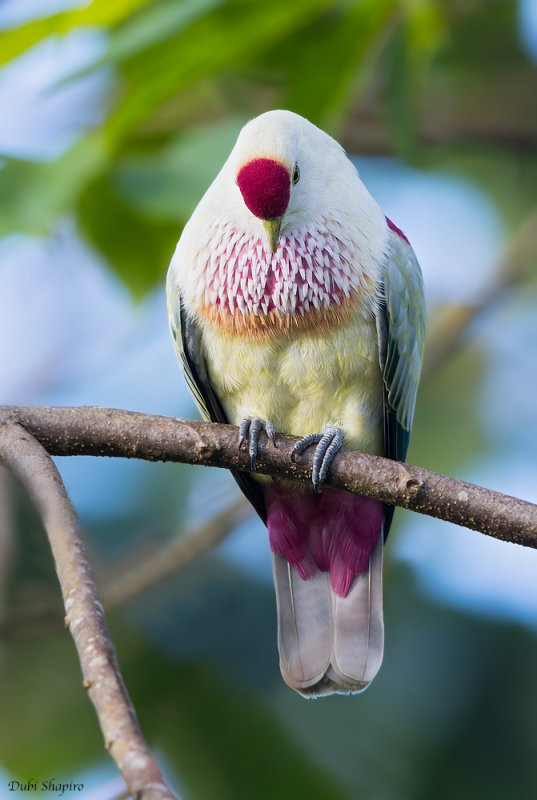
<point>278,160</point>
<point>290,175</point>
<point>286,232</point>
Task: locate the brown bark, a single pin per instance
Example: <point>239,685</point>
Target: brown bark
<point>112,432</point>
<point>84,616</point>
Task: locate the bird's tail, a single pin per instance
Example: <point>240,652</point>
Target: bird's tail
<point>329,643</point>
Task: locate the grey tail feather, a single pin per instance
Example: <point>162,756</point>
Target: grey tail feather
<point>329,643</point>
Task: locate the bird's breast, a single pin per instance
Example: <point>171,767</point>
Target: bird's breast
<point>310,282</point>
<point>303,382</point>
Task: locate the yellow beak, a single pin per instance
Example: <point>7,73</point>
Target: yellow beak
<point>272,227</point>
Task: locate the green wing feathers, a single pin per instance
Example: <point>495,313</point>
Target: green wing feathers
<point>401,340</point>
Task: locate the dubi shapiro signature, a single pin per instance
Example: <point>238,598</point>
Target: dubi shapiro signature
<point>50,785</point>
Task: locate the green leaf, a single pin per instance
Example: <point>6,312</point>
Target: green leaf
<point>168,185</point>
<point>154,25</point>
<point>414,41</point>
<point>401,93</point>
<point>225,39</point>
<point>33,195</point>
<point>137,249</point>
<point>440,398</point>
<point>43,703</point>
<point>346,42</point>
<point>13,42</point>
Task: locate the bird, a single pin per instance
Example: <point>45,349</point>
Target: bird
<point>296,306</point>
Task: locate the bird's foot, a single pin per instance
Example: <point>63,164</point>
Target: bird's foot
<point>328,443</point>
<point>249,430</point>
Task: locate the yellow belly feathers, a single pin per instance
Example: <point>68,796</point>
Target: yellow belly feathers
<point>304,381</point>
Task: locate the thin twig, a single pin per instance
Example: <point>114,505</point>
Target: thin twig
<point>126,579</point>
<point>140,573</point>
<point>21,453</point>
<point>452,323</point>
<point>111,432</point>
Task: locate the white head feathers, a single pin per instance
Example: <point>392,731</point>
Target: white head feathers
<point>328,198</point>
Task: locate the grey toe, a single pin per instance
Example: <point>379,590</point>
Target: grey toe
<point>249,430</point>
<point>328,443</point>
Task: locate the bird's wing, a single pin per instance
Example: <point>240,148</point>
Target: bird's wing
<point>187,338</point>
<point>401,335</point>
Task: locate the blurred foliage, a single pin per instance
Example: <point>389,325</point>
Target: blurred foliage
<point>443,84</point>
<point>209,696</point>
<point>400,76</point>
<point>453,397</point>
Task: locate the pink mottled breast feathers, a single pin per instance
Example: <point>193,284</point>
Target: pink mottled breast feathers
<point>308,282</point>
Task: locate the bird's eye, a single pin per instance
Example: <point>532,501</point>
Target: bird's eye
<point>296,175</point>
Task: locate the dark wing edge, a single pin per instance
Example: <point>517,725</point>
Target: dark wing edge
<point>401,336</point>
<point>187,339</point>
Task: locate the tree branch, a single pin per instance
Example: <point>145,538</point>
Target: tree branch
<point>111,432</point>
<point>84,615</point>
